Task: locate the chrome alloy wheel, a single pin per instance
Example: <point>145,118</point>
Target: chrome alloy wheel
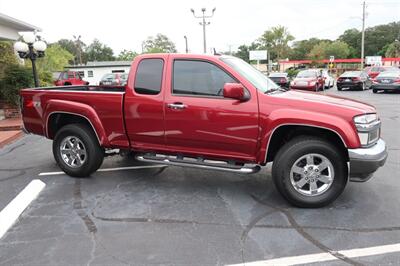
<point>73,151</point>
<point>312,174</point>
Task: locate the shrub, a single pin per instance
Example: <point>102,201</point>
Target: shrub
<point>292,72</point>
<point>16,77</point>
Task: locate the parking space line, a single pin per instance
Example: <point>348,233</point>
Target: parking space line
<point>111,169</point>
<point>322,257</point>
<point>13,210</point>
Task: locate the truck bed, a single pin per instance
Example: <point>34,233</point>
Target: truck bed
<point>101,106</point>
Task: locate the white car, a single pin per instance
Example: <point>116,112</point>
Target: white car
<point>329,80</point>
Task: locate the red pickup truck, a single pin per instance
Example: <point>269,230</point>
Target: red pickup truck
<point>212,112</point>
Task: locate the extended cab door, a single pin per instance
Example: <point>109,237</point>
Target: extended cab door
<point>199,120</point>
<point>144,105</point>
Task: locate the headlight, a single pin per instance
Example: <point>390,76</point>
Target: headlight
<point>365,119</point>
<point>368,128</point>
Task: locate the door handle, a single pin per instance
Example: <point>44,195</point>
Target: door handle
<point>176,106</point>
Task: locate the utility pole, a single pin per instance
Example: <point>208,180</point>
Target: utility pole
<point>186,44</point>
<point>204,23</point>
<point>363,36</point>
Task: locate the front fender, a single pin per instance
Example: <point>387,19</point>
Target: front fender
<point>75,108</point>
<point>285,116</point>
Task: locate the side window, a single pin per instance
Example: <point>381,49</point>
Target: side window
<point>149,76</point>
<point>199,78</point>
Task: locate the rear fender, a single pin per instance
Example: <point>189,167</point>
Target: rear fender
<point>79,109</point>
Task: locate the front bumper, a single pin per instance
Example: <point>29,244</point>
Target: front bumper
<point>365,161</point>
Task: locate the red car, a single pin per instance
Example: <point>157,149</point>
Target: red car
<point>212,112</point>
<point>310,79</point>
<point>67,78</point>
<point>376,70</point>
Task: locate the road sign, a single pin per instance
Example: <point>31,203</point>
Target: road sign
<point>258,55</point>
<point>373,60</point>
<point>331,58</point>
<point>330,65</point>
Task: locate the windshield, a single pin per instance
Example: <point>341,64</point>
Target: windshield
<point>108,76</point>
<point>351,74</point>
<point>307,74</point>
<point>255,77</point>
<point>277,75</point>
<point>389,74</point>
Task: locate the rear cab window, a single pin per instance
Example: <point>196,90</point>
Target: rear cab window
<point>148,78</point>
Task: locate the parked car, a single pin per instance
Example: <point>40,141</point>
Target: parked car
<point>118,79</point>
<point>375,70</point>
<point>212,112</point>
<point>67,78</point>
<point>354,80</point>
<point>281,79</point>
<point>329,81</point>
<point>310,79</point>
<point>386,81</point>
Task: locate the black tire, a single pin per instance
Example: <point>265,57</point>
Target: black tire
<point>290,153</point>
<point>374,90</point>
<point>339,88</point>
<point>94,153</point>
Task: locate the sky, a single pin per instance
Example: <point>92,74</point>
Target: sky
<point>124,24</point>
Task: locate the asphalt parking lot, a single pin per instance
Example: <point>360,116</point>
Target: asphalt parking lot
<point>182,216</point>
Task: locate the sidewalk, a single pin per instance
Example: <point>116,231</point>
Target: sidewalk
<point>10,130</point>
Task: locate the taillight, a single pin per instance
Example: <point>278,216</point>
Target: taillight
<point>28,103</point>
<point>396,81</point>
<point>374,81</point>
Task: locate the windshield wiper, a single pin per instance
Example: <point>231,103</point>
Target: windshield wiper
<point>275,90</point>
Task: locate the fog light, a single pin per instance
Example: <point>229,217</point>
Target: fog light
<point>363,136</point>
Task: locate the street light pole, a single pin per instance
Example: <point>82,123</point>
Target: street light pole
<point>186,44</point>
<point>204,23</point>
<point>362,37</point>
<point>31,48</point>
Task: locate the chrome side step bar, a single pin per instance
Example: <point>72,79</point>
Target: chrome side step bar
<point>198,163</point>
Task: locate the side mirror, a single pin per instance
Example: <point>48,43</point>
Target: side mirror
<point>236,91</point>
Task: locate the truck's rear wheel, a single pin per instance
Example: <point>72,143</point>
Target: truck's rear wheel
<point>77,151</point>
<point>309,172</point>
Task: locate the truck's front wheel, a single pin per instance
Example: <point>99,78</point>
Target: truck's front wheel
<point>77,151</point>
<point>309,172</point>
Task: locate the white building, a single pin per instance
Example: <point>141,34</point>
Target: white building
<point>94,71</point>
<point>10,27</point>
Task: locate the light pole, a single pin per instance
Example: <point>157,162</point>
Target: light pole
<point>31,48</point>
<point>186,44</point>
<point>363,37</point>
<point>204,23</point>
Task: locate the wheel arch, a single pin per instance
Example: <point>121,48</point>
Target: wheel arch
<point>56,120</point>
<point>284,133</point>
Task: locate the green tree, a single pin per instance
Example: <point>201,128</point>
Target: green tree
<point>243,51</point>
<point>353,39</point>
<point>325,49</point>
<point>376,38</point>
<point>7,57</point>
<point>393,49</point>
<point>55,59</point>
<point>126,55</point>
<point>301,49</point>
<point>276,40</point>
<point>75,48</point>
<point>158,44</point>
<point>98,51</point>
<point>16,77</point>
